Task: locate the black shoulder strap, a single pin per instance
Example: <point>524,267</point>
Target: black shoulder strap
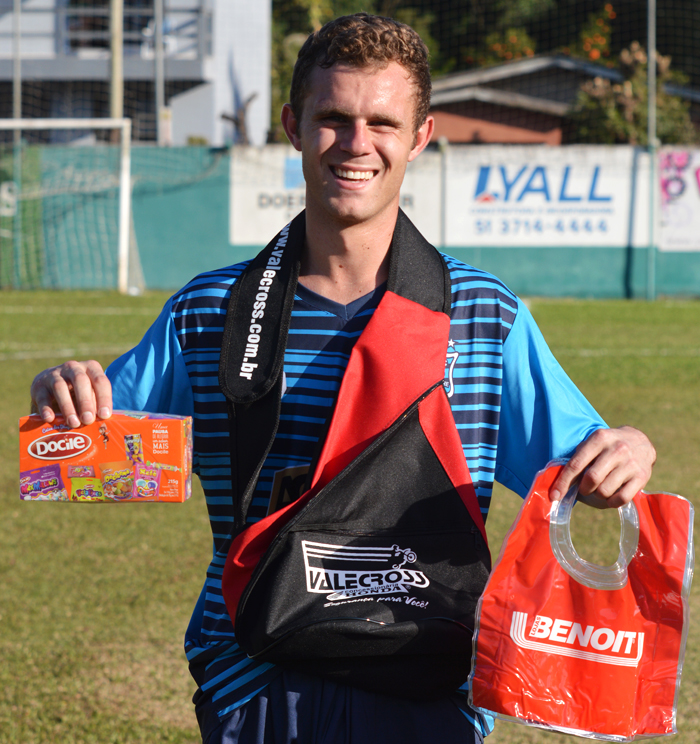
<point>255,337</point>
<point>417,271</point>
<point>252,355</point>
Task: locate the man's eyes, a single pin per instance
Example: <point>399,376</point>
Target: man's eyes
<point>334,119</point>
<point>340,120</point>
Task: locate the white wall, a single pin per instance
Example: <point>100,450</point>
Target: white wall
<point>193,114</point>
<point>240,65</point>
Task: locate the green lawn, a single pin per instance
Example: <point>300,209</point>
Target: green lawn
<point>94,599</point>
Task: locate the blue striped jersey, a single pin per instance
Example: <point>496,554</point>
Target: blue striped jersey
<point>513,406</point>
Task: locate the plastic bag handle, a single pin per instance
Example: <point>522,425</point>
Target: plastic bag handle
<point>591,574</point>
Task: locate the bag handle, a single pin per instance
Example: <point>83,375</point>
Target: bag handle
<point>591,574</point>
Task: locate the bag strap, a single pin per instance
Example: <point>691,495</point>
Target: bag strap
<point>255,338</point>
<point>252,357</point>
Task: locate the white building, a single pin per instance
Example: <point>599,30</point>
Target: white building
<point>217,56</point>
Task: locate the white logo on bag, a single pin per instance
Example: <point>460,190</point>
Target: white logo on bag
<point>566,638</point>
<point>345,571</point>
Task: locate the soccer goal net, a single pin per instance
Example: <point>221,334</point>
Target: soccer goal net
<point>65,205</point>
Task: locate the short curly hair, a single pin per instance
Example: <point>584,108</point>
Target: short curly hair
<point>364,40</point>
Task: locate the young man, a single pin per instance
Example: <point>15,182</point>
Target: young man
<point>358,114</point>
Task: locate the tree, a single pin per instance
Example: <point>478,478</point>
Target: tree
<point>615,113</point>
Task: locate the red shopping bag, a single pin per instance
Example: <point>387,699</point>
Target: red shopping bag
<point>567,645</point>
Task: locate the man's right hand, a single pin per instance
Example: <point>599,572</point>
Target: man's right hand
<point>79,390</point>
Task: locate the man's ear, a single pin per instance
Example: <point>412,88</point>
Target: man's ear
<point>423,135</point>
<point>291,126</point>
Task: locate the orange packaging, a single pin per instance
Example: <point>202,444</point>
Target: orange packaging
<point>132,456</point>
<point>567,645</point>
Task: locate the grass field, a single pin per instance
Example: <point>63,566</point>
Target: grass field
<point>94,600</point>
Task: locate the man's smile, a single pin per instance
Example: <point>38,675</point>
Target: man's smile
<point>352,175</point>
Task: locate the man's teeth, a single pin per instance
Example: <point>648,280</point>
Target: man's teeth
<point>353,175</point>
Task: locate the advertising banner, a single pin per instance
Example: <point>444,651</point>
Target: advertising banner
<point>679,174</point>
<point>539,196</point>
<point>498,195</point>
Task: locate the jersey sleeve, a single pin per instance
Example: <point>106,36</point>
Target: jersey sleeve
<point>152,376</point>
<point>543,414</point>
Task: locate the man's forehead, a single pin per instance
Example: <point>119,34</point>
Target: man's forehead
<point>371,74</point>
<point>380,85</point>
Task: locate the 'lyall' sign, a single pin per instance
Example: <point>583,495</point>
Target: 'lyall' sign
<point>503,184</point>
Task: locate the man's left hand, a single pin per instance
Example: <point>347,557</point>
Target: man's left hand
<point>613,465</point>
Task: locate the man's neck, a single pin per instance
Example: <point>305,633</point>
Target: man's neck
<point>345,262</point>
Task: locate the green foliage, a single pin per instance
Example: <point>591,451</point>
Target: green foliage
<point>593,41</point>
<point>519,12</point>
<point>512,44</point>
<point>499,32</point>
<point>616,113</point>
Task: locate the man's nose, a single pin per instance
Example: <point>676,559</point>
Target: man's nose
<point>355,138</point>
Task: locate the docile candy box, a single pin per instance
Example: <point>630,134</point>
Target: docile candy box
<point>132,456</point>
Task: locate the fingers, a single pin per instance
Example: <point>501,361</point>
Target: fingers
<point>102,388</point>
<point>613,464</point>
<point>584,454</point>
<point>92,391</point>
<point>79,390</point>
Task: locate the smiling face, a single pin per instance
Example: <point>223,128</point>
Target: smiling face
<point>356,136</point>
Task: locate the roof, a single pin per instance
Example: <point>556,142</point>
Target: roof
<point>520,67</point>
<point>500,97</point>
<point>474,85</point>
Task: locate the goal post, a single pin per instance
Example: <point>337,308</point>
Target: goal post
<point>76,206</point>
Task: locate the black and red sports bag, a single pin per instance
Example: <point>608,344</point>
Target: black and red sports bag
<point>371,578</point>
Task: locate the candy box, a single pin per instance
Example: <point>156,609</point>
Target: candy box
<point>132,456</point>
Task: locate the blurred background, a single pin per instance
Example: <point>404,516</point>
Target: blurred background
<point>132,130</point>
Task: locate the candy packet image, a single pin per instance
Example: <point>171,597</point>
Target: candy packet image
<point>81,471</point>
<point>164,466</point>
<point>42,484</point>
<point>146,482</point>
<point>87,489</point>
<point>134,448</point>
<point>117,480</point>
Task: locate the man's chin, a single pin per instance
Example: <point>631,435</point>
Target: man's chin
<point>354,214</point>
<point>348,219</point>
<point>344,215</point>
